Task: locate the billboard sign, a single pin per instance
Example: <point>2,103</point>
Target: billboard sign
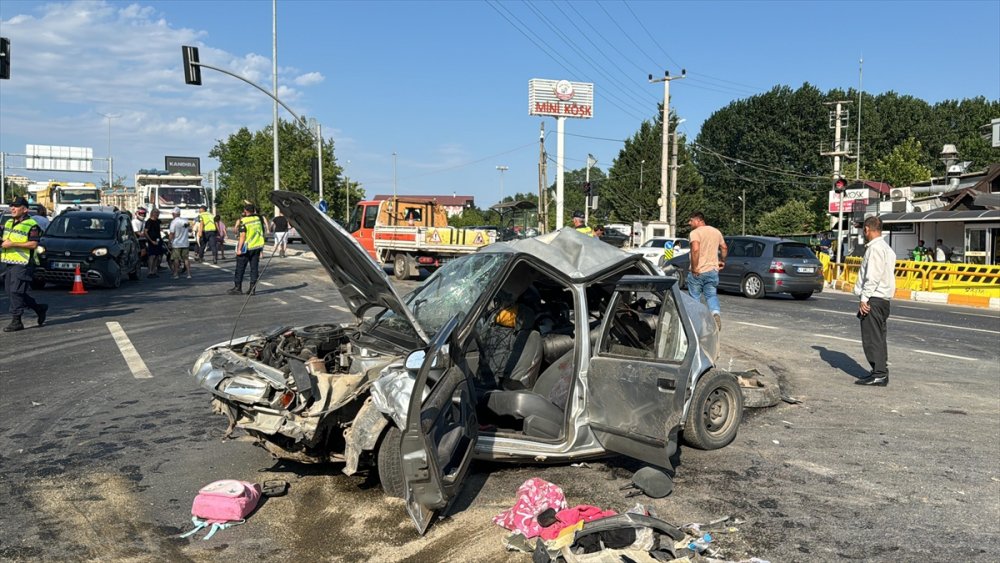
<point>61,159</point>
<point>187,165</point>
<point>560,98</point>
<point>852,198</point>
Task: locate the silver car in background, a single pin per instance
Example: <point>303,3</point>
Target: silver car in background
<point>757,266</point>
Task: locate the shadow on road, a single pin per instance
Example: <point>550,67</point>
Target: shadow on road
<point>842,361</point>
<point>77,317</point>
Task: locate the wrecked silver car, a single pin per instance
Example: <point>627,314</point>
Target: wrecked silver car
<point>549,349</point>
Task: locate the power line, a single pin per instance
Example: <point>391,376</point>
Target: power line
<point>650,35</point>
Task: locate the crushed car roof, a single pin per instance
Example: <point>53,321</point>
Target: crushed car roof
<point>578,256</point>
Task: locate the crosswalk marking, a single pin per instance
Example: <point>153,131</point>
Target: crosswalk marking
<point>311,298</point>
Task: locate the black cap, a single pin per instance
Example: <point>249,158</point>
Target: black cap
<point>578,215</point>
<point>249,208</point>
<point>19,202</point>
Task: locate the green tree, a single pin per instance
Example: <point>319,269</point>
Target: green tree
<point>902,166</point>
<point>246,169</point>
<point>792,217</point>
<point>573,194</point>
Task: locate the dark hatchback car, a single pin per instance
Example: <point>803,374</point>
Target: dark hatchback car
<point>101,243</point>
<point>757,266</point>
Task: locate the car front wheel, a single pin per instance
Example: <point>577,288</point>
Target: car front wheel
<point>390,463</point>
<point>753,286</point>
<point>715,412</point>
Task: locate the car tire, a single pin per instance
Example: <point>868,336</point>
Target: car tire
<point>390,463</point>
<point>715,413</point>
<point>401,267</point>
<point>802,296</point>
<point>116,279</point>
<point>752,287</point>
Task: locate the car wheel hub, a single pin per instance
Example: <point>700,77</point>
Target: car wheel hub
<point>716,411</point>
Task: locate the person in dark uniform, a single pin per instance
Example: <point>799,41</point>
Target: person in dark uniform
<point>249,246</point>
<point>20,236</point>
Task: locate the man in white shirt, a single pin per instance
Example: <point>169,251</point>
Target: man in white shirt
<point>180,240</point>
<point>876,284</point>
<point>942,253</point>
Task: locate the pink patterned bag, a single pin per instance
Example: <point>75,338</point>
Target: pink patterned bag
<point>534,496</point>
<point>222,504</point>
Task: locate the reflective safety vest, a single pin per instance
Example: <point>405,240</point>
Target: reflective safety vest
<point>254,232</point>
<point>585,231</point>
<point>207,221</point>
<point>18,233</point>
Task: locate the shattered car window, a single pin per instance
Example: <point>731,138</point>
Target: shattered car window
<point>451,290</point>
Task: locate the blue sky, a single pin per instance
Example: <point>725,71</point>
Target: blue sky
<point>444,84</point>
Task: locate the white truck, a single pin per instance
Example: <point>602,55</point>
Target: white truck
<point>165,191</point>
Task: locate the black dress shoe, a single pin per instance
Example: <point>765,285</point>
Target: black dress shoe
<point>43,311</point>
<point>874,381</point>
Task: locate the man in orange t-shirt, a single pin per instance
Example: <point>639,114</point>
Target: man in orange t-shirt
<point>708,256</point>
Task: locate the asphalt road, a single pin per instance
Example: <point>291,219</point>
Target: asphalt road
<point>100,459</point>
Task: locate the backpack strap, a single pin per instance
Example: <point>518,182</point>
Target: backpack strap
<point>198,525</point>
<point>221,526</point>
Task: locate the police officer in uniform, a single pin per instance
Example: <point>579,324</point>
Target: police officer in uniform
<point>580,226</point>
<point>248,248</point>
<point>17,255</point>
<point>207,232</point>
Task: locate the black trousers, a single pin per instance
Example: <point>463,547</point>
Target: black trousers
<point>17,282</point>
<point>208,239</point>
<point>253,258</point>
<point>873,336</point>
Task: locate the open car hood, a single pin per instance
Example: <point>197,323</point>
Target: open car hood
<point>361,281</point>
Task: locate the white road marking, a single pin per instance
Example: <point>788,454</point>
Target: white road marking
<point>131,355</point>
<point>268,284</point>
<point>824,298</point>
<point>341,309</point>
<point>945,355</point>
<point>304,259</point>
<point>756,325</point>
<point>281,301</point>
<point>216,266</point>
<point>311,298</point>
<point>838,338</point>
<point>915,321</point>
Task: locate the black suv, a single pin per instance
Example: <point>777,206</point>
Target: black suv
<point>101,243</point>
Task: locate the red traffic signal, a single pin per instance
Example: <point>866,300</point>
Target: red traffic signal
<point>839,184</point>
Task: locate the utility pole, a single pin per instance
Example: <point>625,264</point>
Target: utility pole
<point>836,122</point>
<point>586,198</point>
<point>543,179</point>
<point>857,149</point>
<point>274,88</point>
<point>666,147</point>
<point>347,195</point>
<point>673,189</point>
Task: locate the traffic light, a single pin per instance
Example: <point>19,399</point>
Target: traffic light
<point>192,70</point>
<point>839,184</point>
<point>586,188</point>
<point>314,174</point>
<point>4,58</point>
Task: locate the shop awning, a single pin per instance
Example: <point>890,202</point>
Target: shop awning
<point>942,216</point>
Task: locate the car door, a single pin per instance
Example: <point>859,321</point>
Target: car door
<point>441,431</point>
<point>736,263</point>
<point>637,379</point>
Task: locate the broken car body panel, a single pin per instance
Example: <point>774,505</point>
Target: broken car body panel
<point>505,354</point>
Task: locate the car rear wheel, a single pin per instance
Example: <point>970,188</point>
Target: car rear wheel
<point>753,286</point>
<point>390,463</point>
<point>802,296</point>
<point>400,267</point>
<point>715,412</point>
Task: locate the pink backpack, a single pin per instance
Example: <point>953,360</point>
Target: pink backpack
<point>222,504</point>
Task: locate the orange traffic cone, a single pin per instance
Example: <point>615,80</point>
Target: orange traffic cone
<point>77,283</point>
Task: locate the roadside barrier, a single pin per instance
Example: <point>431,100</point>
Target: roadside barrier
<point>962,284</point>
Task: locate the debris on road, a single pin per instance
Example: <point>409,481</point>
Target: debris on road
<point>650,481</point>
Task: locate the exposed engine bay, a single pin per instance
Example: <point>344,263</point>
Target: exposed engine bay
<point>296,390</point>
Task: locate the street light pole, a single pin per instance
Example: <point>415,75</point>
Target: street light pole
<point>111,175</point>
<point>502,168</point>
<point>274,88</point>
<point>743,199</point>
<point>347,195</point>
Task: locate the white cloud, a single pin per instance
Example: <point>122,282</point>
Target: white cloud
<point>73,61</point>
<point>309,78</point>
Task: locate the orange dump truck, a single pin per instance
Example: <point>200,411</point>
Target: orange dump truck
<point>412,233</point>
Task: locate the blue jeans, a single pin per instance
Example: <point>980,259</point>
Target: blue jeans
<point>706,284</point>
